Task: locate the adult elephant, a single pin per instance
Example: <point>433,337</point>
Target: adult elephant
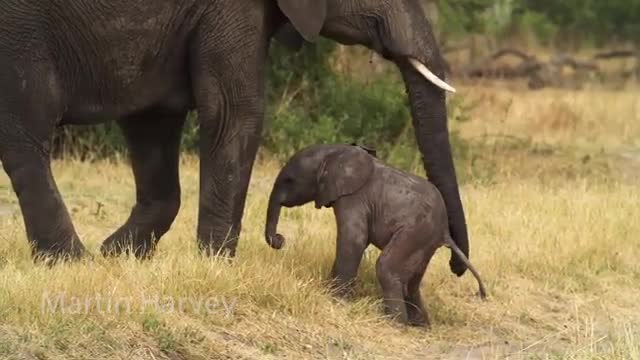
<point>146,63</point>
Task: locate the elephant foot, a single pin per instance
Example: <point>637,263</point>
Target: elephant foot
<point>343,291</point>
<point>124,242</point>
<point>217,251</point>
<point>398,317</point>
<point>213,245</point>
<point>420,324</point>
<point>60,254</point>
<point>418,319</point>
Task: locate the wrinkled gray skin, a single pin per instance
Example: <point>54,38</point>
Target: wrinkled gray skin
<point>399,213</point>
<point>146,63</point>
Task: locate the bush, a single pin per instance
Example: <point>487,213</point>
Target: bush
<point>320,106</point>
<point>543,29</point>
<point>88,142</point>
<point>599,20</point>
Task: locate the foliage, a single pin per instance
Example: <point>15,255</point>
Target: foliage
<point>88,142</point>
<point>319,105</point>
<point>539,25</point>
<point>596,20</point>
<point>310,103</point>
<point>461,17</point>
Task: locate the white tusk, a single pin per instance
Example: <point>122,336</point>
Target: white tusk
<point>422,69</point>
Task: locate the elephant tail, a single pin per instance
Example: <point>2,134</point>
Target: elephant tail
<point>452,245</point>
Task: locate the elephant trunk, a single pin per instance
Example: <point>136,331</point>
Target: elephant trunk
<point>429,113</point>
<point>274,239</point>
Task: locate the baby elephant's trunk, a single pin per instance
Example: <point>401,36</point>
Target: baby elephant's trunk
<point>451,244</point>
<point>274,239</point>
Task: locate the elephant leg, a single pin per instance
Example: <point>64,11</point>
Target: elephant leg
<point>153,139</point>
<point>392,287</point>
<point>400,268</point>
<point>393,277</point>
<point>418,253</point>
<point>225,171</point>
<point>345,268</point>
<point>48,225</point>
<point>416,312</point>
<point>230,110</point>
<point>27,118</point>
<point>350,246</point>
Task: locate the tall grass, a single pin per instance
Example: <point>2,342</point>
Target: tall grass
<point>553,235</point>
<point>560,264</point>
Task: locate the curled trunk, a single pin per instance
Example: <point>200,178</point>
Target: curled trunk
<point>274,239</point>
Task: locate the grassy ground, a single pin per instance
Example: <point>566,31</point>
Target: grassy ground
<point>553,232</point>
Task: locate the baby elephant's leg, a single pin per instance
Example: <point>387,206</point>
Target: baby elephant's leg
<point>345,267</point>
<point>393,280</point>
<point>415,308</point>
<point>350,247</point>
<point>419,250</point>
<point>405,260</point>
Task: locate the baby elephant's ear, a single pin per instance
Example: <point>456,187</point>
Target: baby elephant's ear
<point>341,174</point>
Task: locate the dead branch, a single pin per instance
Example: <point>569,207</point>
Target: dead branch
<point>561,60</point>
<point>616,54</point>
<point>484,68</point>
<point>514,52</point>
<point>539,73</point>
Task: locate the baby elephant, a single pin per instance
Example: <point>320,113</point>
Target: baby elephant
<point>401,214</point>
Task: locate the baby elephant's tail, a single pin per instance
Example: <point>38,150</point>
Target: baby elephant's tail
<point>451,244</point>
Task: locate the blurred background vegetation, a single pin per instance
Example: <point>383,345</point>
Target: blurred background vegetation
<point>317,95</point>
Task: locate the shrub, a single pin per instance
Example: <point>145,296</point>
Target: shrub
<point>329,107</point>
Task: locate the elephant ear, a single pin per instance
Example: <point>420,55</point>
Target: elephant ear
<point>307,16</point>
<point>341,174</point>
<point>288,36</point>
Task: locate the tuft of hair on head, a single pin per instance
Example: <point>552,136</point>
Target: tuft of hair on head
<point>369,149</point>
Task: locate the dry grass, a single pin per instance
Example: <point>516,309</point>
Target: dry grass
<point>560,259</point>
<point>578,118</point>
